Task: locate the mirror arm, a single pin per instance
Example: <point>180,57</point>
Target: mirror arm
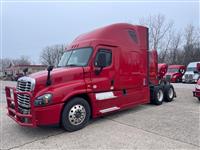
<point>97,72</point>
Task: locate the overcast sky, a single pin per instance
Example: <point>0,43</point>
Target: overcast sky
<point>29,27</point>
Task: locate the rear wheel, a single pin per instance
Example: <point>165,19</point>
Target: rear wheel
<point>76,114</point>
<point>158,96</point>
<point>169,93</point>
<point>199,98</point>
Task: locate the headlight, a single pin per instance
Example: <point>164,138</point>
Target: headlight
<point>43,100</point>
<point>196,76</point>
<point>174,76</point>
<point>198,86</point>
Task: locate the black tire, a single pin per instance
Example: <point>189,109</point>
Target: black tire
<point>169,93</point>
<point>83,112</point>
<point>158,95</point>
<point>199,98</point>
<point>162,82</point>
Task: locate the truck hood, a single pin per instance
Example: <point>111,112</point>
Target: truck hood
<point>172,73</point>
<point>58,75</point>
<point>189,72</point>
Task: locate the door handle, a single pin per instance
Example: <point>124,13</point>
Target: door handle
<point>112,82</point>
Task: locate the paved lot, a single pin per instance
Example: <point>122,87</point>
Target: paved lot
<point>174,125</point>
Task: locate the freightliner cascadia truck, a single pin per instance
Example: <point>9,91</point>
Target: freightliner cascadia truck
<point>103,71</point>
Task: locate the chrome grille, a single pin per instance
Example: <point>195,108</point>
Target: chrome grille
<point>189,76</point>
<point>24,84</point>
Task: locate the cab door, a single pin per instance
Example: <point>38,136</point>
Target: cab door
<point>103,78</point>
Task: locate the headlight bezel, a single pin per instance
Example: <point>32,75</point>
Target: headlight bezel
<point>43,100</point>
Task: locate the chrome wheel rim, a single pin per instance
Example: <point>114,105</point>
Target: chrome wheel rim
<point>160,95</point>
<point>171,93</point>
<point>77,114</point>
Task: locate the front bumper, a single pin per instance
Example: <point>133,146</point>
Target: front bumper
<point>46,115</point>
<point>190,80</point>
<point>173,80</point>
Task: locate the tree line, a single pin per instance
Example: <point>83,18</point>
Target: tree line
<point>174,46</point>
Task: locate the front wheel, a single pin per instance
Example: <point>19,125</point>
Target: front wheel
<point>76,114</point>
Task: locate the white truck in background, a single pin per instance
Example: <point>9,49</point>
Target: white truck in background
<point>191,75</point>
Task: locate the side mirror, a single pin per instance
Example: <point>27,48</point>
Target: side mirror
<point>100,63</point>
<point>182,71</point>
<point>49,68</point>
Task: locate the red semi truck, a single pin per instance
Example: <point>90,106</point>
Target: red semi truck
<point>175,73</point>
<point>196,92</point>
<point>103,71</point>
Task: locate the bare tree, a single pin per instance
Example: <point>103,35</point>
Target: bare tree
<point>165,47</point>
<point>175,51</point>
<point>158,28</point>
<point>7,62</point>
<point>23,60</point>
<point>192,44</point>
<point>173,47</point>
<point>51,55</point>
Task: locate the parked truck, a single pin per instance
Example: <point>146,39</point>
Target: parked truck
<point>196,92</point>
<point>192,74</point>
<point>103,71</point>
<point>175,73</point>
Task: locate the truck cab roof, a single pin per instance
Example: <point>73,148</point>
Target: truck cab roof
<point>123,34</point>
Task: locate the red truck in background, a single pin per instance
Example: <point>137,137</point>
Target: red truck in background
<point>175,73</point>
<point>196,92</point>
<point>103,71</point>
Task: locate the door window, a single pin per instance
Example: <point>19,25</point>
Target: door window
<point>105,56</point>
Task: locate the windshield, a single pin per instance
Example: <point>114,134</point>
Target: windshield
<point>191,69</point>
<point>77,57</point>
<point>172,70</point>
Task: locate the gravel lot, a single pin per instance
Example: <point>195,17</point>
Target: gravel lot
<point>174,125</point>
